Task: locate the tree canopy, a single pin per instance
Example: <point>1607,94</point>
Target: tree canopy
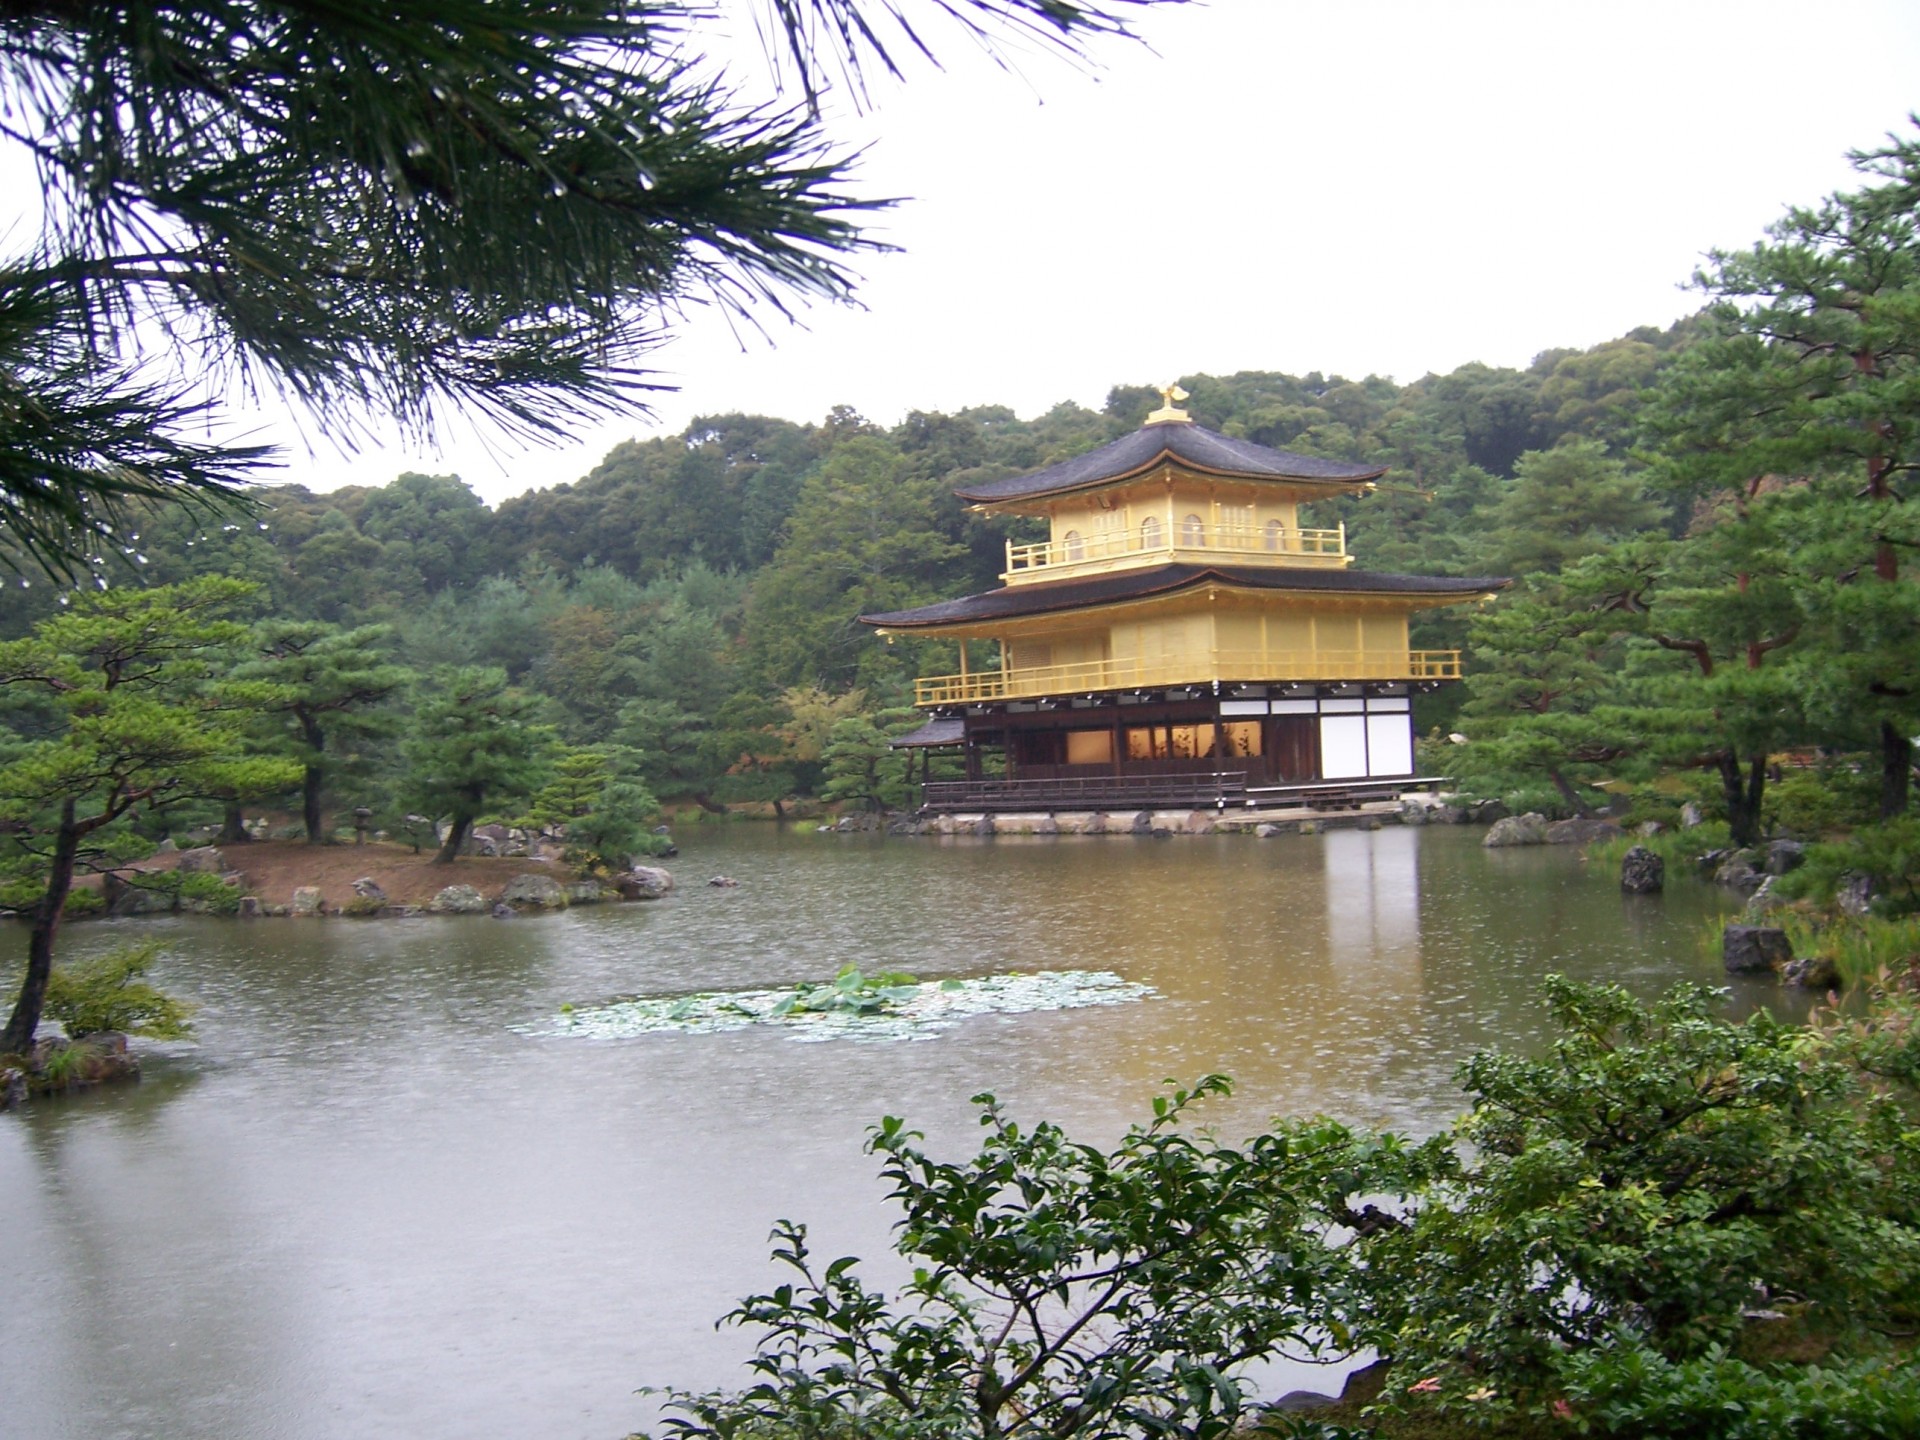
<point>467,205</point>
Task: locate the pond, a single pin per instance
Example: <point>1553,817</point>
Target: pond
<point>380,1196</point>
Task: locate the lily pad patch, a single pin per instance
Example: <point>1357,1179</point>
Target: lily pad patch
<point>851,1007</point>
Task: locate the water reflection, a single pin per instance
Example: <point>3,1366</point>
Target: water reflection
<point>364,1203</point>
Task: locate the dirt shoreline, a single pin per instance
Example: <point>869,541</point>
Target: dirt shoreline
<point>274,869</point>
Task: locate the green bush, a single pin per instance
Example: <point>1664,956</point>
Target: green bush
<point>1654,1176</point>
<point>1621,1235</point>
<point>1627,1390</point>
<point>208,894</point>
<point>1538,799</point>
<point>1809,803</point>
<point>1063,1291</point>
<point>1888,854</point>
<point>111,993</point>
<point>84,902</point>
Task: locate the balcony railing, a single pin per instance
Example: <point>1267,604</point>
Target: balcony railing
<point>1273,544</point>
<point>1201,668</point>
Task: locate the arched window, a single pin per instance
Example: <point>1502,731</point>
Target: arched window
<point>1276,536</point>
<point>1193,532</point>
<point>1076,548</point>
<point>1150,533</point>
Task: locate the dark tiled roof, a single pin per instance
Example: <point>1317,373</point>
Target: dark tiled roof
<point>1041,599</point>
<point>933,733</point>
<point>1179,440</point>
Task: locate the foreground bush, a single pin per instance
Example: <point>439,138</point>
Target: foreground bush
<point>1063,1291</point>
<point>1649,1231</point>
<point>1661,1176</point>
<point>1626,1390</point>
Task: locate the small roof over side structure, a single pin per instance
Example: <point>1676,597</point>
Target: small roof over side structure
<point>1173,442</point>
<point>938,733</point>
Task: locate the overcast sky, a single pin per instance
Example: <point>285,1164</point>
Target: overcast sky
<point>1352,187</point>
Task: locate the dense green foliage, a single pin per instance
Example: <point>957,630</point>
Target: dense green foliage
<point>1059,1290</point>
<point>463,204</point>
<point>122,703</point>
<point>1649,1231</point>
<point>110,992</point>
<point>693,599</point>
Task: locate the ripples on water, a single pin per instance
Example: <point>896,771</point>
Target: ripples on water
<point>367,1202</point>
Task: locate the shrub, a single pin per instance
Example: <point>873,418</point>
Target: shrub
<point>1652,1177</point>
<point>206,894</point>
<point>1887,854</point>
<point>1624,1389</point>
<point>111,993</point>
<point>1819,801</point>
<point>1062,1291</point>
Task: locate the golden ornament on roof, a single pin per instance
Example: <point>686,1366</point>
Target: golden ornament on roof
<point>1170,398</point>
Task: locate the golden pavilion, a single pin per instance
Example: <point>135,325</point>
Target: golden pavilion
<point>1179,638</point>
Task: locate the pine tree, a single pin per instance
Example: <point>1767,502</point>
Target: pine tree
<point>131,681</point>
<point>1809,373</point>
<point>475,743</point>
<point>495,206</point>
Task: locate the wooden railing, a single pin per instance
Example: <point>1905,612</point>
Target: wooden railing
<point>1088,792</point>
<point>1199,669</point>
<point>1238,542</point>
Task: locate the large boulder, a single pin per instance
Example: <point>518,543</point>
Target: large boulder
<point>1738,872</point>
<point>584,892</point>
<point>205,860</point>
<point>1855,894</point>
<point>308,901</point>
<point>1754,949</point>
<point>1583,831</point>
<point>459,900</point>
<point>1785,855</point>
<point>1642,872</point>
<point>1485,812</point>
<point>534,892</point>
<point>124,899</point>
<point>643,882</point>
<point>1691,816</point>
<point>1527,829</point>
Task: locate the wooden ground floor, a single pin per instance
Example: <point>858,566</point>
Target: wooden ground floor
<point>1327,745</point>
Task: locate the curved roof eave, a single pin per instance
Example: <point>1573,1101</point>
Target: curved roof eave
<point>1020,601</point>
<point>1182,442</point>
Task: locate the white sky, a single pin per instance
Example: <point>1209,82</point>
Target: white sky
<point>1367,186</point>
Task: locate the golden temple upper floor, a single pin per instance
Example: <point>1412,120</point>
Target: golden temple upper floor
<point>1173,492</point>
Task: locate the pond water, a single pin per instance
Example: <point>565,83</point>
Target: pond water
<point>370,1201</point>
